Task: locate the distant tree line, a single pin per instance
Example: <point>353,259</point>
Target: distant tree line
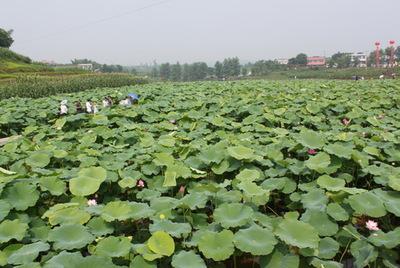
<point>104,68</point>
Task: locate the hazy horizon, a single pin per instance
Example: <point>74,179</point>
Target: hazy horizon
<point>130,32</point>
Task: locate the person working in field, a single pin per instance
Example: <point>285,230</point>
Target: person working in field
<point>131,99</point>
<point>63,107</point>
<point>107,102</point>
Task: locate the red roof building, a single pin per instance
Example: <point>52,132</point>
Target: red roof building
<point>316,61</point>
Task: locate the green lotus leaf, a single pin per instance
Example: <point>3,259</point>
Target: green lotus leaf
<point>328,248</point>
<point>167,141</point>
<point>337,212</point>
<point>388,240</point>
<point>280,259</point>
<point>212,155</point>
<point>59,124</point>
<point>241,152</point>
<point>38,159</point>
<point>339,150</point>
<point>5,208</point>
<point>254,193</point>
<point>139,262</point>
<point>185,258</point>
<point>161,243</point>
<point>321,222</point>
<point>28,253</point>
<point>170,178</point>
<point>220,168</point>
<point>163,159</point>
<point>232,215</point>
<point>60,214</point>
<point>99,227</point>
<point>194,200</point>
<point>123,210</point>
<point>127,183</point>
<point>325,264</point>
<point>394,183</point>
<point>319,162</point>
<point>311,139</point>
<point>217,246</point>
<point>363,252</point>
<point>255,240</point>
<point>297,233</point>
<point>391,200</point>
<point>146,253</point>
<point>113,246</point>
<point>360,158</point>
<point>75,260</point>
<point>60,154</point>
<point>372,150</point>
<point>177,230</point>
<point>330,183</point>
<point>73,236</point>
<point>367,204</point>
<point>316,199</point>
<point>14,229</point>
<point>21,195</point>
<point>248,175</point>
<point>313,108</point>
<point>88,181</point>
<point>52,184</point>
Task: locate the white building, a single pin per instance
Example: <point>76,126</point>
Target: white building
<point>282,61</point>
<point>86,66</point>
<point>360,57</point>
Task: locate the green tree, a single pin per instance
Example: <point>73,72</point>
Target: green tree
<point>244,71</point>
<point>165,71</point>
<point>176,72</point>
<point>231,67</point>
<point>186,72</point>
<point>301,59</point>
<point>219,69</point>
<point>154,72</point>
<point>5,38</point>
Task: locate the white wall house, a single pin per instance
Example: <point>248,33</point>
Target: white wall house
<point>282,61</point>
<point>360,57</point>
<point>85,66</point>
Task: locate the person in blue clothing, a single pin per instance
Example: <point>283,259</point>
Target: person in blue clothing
<point>130,100</point>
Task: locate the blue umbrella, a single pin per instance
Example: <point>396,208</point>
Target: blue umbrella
<point>133,96</point>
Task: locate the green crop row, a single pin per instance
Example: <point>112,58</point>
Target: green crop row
<point>36,86</point>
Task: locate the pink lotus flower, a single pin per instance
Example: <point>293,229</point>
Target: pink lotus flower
<point>140,183</point>
<point>182,189</point>
<point>372,225</point>
<point>312,151</point>
<point>346,121</point>
<point>92,202</point>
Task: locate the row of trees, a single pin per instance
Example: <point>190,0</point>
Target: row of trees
<point>230,67</point>
<point>5,38</point>
<point>104,68</point>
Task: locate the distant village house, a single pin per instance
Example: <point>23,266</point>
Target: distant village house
<point>316,61</point>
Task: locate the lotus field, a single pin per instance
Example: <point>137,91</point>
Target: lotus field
<point>212,174</point>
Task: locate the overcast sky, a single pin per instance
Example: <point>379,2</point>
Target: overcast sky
<point>130,32</point>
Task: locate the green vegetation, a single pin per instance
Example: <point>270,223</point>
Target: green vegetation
<point>212,174</point>
<point>39,86</point>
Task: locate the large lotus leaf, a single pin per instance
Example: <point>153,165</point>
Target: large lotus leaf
<point>170,178</point>
<point>123,210</point>
<point>14,229</point>
<point>221,168</point>
<point>311,139</point>
<point>194,200</point>
<point>75,260</point>
<point>21,195</point>
<point>163,159</point>
<point>146,253</point>
<point>232,215</point>
<point>319,162</point>
<point>241,152</point>
<point>52,184</point>
<point>113,246</point>
<point>317,263</point>
<point>328,248</point>
<point>316,199</point>
<point>255,240</point>
<point>88,181</point>
<point>391,200</point>
<point>64,214</point>
<point>185,259</point>
<point>388,240</point>
<point>99,227</point>
<point>337,212</point>
<point>339,150</point>
<point>321,222</point>
<point>248,175</point>
<point>394,183</point>
<point>139,262</point>
<point>363,252</point>
<point>367,204</point>
<point>5,208</point>
<point>127,183</point>
<point>331,184</point>
<point>28,253</point>
<point>73,236</point>
<point>280,259</point>
<point>212,155</point>
<point>297,233</point>
<point>38,159</point>
<point>161,243</point>
<point>217,246</point>
<point>174,229</point>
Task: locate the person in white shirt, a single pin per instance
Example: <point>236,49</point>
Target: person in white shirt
<point>89,107</point>
<point>63,107</point>
<point>131,99</point>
